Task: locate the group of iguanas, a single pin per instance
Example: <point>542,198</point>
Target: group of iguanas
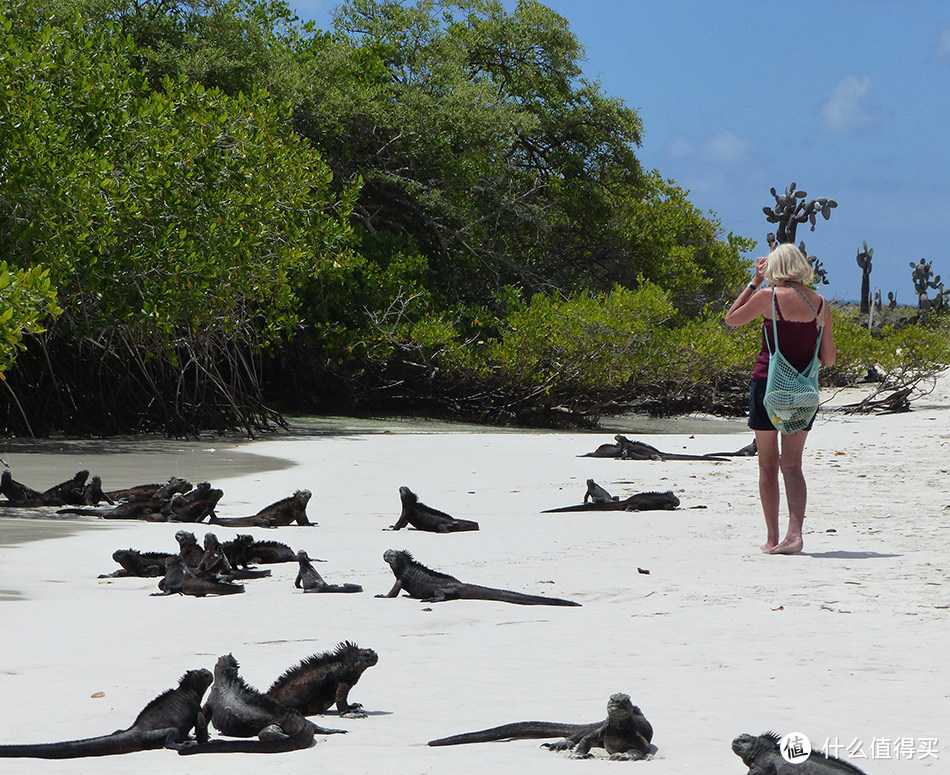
<point>176,500</point>
<point>275,720</point>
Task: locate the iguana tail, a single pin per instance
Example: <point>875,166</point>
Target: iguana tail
<point>603,506</point>
<point>476,592</point>
<point>104,745</point>
<point>520,730</point>
<point>303,739</point>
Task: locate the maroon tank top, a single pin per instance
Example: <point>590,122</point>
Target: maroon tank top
<point>797,338</point>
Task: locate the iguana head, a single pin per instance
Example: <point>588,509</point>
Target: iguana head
<point>396,558</point>
<point>186,537</point>
<point>196,680</point>
<point>226,667</point>
<point>750,747</point>
<point>360,657</point>
<point>407,496</point>
<point>619,706</point>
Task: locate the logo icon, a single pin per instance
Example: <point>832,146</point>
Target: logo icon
<point>794,747</point>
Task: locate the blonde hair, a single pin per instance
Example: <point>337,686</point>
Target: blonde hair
<point>788,264</point>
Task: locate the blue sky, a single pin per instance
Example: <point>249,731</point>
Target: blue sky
<point>848,98</point>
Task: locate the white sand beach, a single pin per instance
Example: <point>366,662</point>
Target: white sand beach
<point>845,642</point>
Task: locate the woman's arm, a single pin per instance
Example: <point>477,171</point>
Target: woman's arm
<point>750,304</point>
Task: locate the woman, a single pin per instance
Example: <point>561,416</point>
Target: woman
<point>799,310</point>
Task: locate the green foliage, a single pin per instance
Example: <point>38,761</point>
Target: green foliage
<point>905,353</point>
<point>26,299</point>
<point>169,213</point>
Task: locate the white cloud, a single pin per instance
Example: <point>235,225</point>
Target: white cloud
<point>849,108</point>
<point>943,44</point>
<point>725,148</point>
<point>680,148</point>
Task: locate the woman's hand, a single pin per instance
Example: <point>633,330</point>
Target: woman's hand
<point>760,264</point>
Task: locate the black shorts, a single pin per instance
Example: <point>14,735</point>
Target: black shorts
<point>758,417</point>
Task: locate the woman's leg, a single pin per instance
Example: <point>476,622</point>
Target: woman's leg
<point>796,492</point>
<point>767,442</point>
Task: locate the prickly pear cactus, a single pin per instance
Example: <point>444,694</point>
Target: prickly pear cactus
<point>924,279</point>
<point>791,209</point>
<point>821,275</point>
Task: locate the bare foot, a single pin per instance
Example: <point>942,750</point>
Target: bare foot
<point>788,546</point>
<point>767,547</point>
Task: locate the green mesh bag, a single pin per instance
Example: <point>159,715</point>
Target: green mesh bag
<point>791,396</point>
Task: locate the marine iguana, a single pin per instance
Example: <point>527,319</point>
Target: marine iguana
<point>597,494</point>
<point>139,505</point>
<point>286,511</point>
<point>144,492</point>
<point>195,505</point>
<point>180,579</point>
<point>423,517</point>
<point>138,564</point>
<point>625,449</point>
<point>243,550</point>
<point>16,493</point>
<point>749,450</point>
<point>165,720</point>
<point>188,549</point>
<point>310,581</point>
<point>143,510</point>
<point>641,501</point>
<point>761,754</point>
<point>214,564</point>
<point>238,710</point>
<point>68,493</point>
<point>324,680</point>
<point>433,587</point>
<point>624,734</point>
<point>92,494</point>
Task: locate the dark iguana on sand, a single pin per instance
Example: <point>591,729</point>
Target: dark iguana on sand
<point>749,450</point>
<point>286,511</point>
<point>423,517</point>
<point>215,565</point>
<point>324,680</point>
<point>625,734</point>
<point>147,503</point>
<point>310,581</point>
<point>238,710</point>
<point>761,754</point>
<point>180,579</point>
<point>139,564</point>
<point>430,586</point>
<point>625,449</point>
<point>641,501</point>
<point>165,720</point>
<point>92,494</point>
<point>195,505</point>
<point>243,550</point>
<point>17,493</point>
<point>144,492</point>
<point>597,494</point>
<point>189,550</point>
<point>68,493</point>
